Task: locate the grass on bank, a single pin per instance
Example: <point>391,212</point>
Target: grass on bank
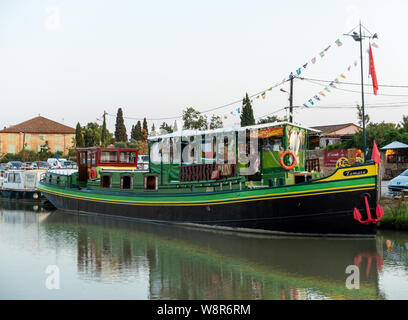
<point>395,215</point>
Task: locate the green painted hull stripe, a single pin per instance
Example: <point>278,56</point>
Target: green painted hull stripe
<point>220,198</point>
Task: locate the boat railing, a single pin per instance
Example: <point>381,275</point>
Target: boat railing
<point>207,171</point>
<point>312,165</point>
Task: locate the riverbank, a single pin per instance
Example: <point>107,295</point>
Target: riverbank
<point>395,214</point>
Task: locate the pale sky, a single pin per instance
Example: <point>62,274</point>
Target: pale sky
<point>71,60</point>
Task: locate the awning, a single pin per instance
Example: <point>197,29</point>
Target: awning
<point>395,145</point>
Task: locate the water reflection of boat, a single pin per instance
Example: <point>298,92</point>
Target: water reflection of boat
<point>21,211</point>
<point>184,263</point>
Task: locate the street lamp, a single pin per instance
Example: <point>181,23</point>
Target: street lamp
<point>359,37</point>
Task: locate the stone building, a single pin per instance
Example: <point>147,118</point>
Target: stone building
<point>333,134</point>
<point>33,133</point>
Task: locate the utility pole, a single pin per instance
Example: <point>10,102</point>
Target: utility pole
<point>359,37</point>
<point>362,97</point>
<point>291,101</point>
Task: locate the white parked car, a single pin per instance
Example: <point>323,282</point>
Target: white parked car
<point>143,162</point>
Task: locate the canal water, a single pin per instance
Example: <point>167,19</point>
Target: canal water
<point>49,254</point>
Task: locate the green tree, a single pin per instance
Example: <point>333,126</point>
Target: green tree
<point>166,128</point>
<point>145,128</point>
<point>175,129</point>
<point>136,133</point>
<point>193,119</point>
<point>92,134</point>
<point>268,119</point>
<point>120,128</point>
<point>216,122</point>
<point>153,131</point>
<point>105,133</point>
<point>360,116</point>
<point>247,114</point>
<point>79,138</point>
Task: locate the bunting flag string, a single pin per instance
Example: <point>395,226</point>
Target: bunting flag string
<point>315,98</point>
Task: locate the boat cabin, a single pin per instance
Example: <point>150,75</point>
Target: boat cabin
<point>266,155</point>
<point>270,154</point>
<point>91,160</point>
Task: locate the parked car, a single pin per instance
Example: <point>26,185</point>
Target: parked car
<point>55,163</point>
<point>143,162</point>
<point>68,164</point>
<point>400,182</point>
<point>14,164</point>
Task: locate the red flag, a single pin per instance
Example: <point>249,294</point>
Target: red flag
<point>372,72</point>
<point>376,154</point>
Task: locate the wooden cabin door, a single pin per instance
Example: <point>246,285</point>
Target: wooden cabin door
<point>82,166</point>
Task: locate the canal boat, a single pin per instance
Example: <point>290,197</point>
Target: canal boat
<point>21,183</point>
<point>250,179</point>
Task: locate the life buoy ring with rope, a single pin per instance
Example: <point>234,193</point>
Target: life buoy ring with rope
<point>92,174</point>
<point>294,160</point>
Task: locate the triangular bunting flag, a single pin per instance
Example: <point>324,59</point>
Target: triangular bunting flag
<point>338,42</point>
<point>314,60</point>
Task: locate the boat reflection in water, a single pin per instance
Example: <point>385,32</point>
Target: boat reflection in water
<point>182,263</point>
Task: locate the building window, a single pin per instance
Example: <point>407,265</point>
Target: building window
<point>38,148</point>
<point>11,136</point>
<point>58,138</point>
<point>105,181</point>
<point>57,148</point>
<point>42,137</point>
<point>126,182</point>
<point>27,137</point>
<point>27,147</point>
<point>12,148</point>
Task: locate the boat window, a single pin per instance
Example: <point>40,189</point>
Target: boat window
<point>272,144</point>
<point>17,178</point>
<point>105,181</point>
<point>127,157</point>
<point>126,182</point>
<point>109,156</point>
<point>150,182</point>
<point>155,153</point>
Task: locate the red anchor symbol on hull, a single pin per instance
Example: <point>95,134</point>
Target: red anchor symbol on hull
<point>379,212</point>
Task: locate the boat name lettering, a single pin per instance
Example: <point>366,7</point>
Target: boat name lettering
<point>355,172</point>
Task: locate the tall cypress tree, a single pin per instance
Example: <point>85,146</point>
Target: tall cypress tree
<point>120,128</point>
<point>79,138</point>
<point>105,132</point>
<point>247,114</point>
<point>175,129</point>
<point>145,130</point>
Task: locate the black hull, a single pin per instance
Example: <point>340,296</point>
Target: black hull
<point>314,215</point>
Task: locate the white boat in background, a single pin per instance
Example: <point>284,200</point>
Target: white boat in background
<point>21,183</point>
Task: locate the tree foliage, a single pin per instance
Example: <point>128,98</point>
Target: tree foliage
<point>193,119</point>
<point>165,128</point>
<point>216,122</point>
<point>247,114</point>
<point>268,119</point>
<point>120,128</point>
<point>79,138</point>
